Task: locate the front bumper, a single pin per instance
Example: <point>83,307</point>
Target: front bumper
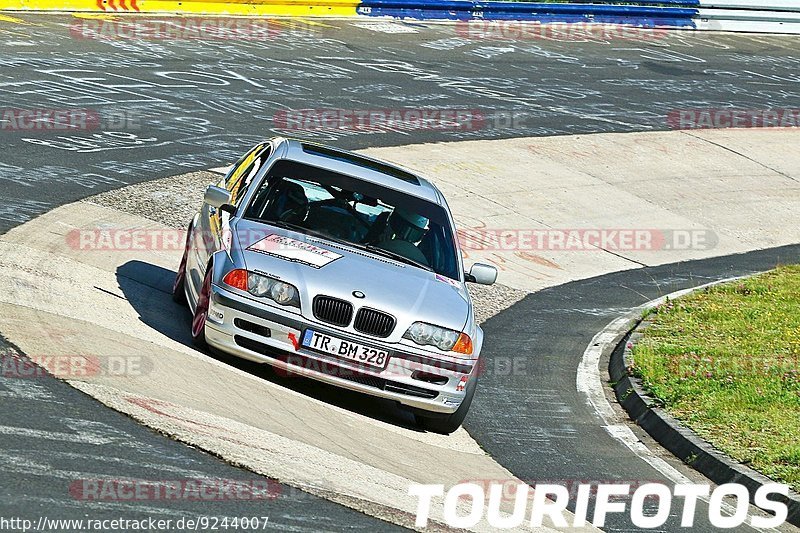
<point>267,334</point>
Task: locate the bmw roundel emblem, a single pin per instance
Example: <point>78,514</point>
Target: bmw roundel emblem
<point>358,294</point>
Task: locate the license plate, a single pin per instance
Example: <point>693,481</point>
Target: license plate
<point>351,351</point>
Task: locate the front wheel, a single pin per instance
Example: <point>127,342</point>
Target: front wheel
<point>449,423</point>
<point>201,312</point>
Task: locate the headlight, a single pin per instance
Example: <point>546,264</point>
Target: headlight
<point>263,286</point>
<point>258,285</point>
<point>283,293</point>
<point>443,338</point>
<point>267,287</point>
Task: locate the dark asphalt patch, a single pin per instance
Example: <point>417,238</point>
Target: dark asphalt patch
<point>533,421</point>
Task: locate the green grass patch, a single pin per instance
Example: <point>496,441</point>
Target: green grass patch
<point>725,361</point>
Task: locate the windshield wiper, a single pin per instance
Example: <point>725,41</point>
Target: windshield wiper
<point>395,256</point>
<point>295,227</point>
<point>300,229</point>
<point>285,225</point>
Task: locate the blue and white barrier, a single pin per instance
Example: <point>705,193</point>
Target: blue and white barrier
<point>781,16</point>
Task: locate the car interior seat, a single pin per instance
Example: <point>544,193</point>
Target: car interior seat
<point>288,203</point>
<point>335,219</point>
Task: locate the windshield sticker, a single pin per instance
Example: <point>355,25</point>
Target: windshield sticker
<point>294,250</point>
<point>444,279</point>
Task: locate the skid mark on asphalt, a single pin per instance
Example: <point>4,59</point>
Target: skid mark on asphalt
<point>308,468</point>
<point>47,479</point>
<point>16,389</point>
<point>528,409</point>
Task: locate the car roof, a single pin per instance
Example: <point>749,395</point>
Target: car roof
<point>361,167</point>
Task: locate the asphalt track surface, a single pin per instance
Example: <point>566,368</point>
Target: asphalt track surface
<point>168,107</point>
<point>533,422</point>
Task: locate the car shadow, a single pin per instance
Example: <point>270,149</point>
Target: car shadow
<point>148,289</point>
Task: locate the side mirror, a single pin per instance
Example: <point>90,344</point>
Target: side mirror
<point>217,196</point>
<point>483,274</point>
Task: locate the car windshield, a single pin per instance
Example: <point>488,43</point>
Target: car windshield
<point>356,212</point>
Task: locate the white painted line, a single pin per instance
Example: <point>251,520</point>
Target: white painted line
<point>588,379</point>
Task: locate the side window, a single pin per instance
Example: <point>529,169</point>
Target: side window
<point>242,174</point>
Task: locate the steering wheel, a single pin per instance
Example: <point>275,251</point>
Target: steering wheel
<point>290,214</point>
<point>377,228</point>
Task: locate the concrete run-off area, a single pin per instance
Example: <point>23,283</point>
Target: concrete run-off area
<point>551,210</point>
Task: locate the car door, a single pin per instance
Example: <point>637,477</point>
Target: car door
<point>213,233</point>
<point>238,182</point>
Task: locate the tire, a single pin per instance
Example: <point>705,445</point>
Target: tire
<point>449,423</point>
<point>201,313</point>
<point>179,287</point>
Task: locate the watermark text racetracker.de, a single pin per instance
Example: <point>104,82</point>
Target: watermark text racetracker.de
<point>73,525</point>
<point>583,239</point>
<point>514,30</point>
<point>194,489</point>
<point>179,28</point>
<point>404,119</point>
<point>74,366</point>
<point>65,120</point>
<point>647,505</point>
<point>491,239</point>
<point>708,118</point>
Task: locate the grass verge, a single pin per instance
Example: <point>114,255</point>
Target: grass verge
<point>725,361</point>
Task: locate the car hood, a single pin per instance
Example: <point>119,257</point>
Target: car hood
<point>317,266</point>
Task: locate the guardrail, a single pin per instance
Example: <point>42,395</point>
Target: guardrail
<point>678,13</point>
<point>780,16</point>
<point>774,16</point>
